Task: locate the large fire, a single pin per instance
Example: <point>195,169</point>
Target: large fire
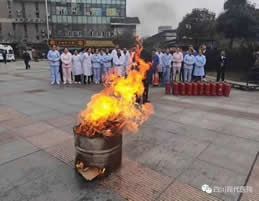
<point>115,107</point>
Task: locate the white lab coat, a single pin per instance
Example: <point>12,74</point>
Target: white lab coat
<point>87,64</point>
<point>77,65</point>
<point>160,67</point>
<point>127,55</point>
<point>119,64</point>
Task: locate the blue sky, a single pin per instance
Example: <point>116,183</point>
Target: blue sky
<point>154,13</point>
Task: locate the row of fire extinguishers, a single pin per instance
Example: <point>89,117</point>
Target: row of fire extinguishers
<point>198,89</point>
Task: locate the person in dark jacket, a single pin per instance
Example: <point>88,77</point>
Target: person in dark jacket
<point>205,52</point>
<point>5,56</point>
<point>27,58</point>
<point>222,64</point>
<point>60,66</point>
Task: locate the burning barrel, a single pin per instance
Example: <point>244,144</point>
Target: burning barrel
<point>98,138</point>
<point>99,151</point>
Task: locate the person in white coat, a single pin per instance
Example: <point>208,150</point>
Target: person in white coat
<point>87,65</point>
<point>77,67</point>
<point>130,60</point>
<point>114,51</point>
<point>66,59</point>
<point>126,56</point>
<point>119,63</point>
<point>160,66</point>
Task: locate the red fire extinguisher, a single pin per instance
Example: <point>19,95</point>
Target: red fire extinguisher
<point>168,88</point>
<point>207,89</point>
<point>213,88</point>
<point>188,89</point>
<point>201,89</point>
<point>194,89</point>
<point>227,89</point>
<point>176,88</point>
<point>182,88</point>
<point>156,79</point>
<point>219,89</point>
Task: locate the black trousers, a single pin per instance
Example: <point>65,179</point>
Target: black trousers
<point>205,69</point>
<point>61,72</point>
<point>27,64</point>
<point>88,79</point>
<point>77,78</point>
<point>221,73</point>
<point>160,76</point>
<point>145,93</point>
<point>182,73</point>
<point>5,60</point>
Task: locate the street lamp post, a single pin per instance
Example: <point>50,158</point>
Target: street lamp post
<point>47,17</point>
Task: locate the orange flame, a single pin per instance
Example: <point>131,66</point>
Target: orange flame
<point>115,107</point>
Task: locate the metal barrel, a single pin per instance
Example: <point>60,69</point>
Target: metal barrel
<point>100,151</point>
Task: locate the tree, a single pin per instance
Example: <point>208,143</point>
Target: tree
<point>124,39</point>
<point>238,21</point>
<point>197,27</point>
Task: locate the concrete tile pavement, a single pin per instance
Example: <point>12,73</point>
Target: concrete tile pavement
<point>188,142</point>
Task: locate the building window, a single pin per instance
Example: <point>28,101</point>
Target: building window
<point>61,10</point>
<point>37,28</point>
<point>18,13</point>
<point>25,31</point>
<point>37,10</point>
<point>74,8</point>
<point>75,33</point>
<point>14,27</point>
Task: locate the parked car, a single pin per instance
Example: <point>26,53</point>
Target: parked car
<point>10,53</point>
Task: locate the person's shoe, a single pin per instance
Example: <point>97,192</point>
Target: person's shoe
<point>79,82</point>
<point>65,82</point>
<point>70,82</point>
<point>52,83</point>
<point>204,79</point>
<point>58,83</point>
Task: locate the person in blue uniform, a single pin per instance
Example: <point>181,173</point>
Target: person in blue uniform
<point>166,65</point>
<point>154,67</point>
<point>200,62</point>
<point>189,61</point>
<point>54,61</point>
<point>107,62</point>
<point>96,63</point>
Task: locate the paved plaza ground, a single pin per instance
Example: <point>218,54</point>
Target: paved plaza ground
<point>188,142</point>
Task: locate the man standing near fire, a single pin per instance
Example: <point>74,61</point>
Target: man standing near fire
<point>154,67</point>
<point>145,81</point>
<point>119,62</point>
<point>166,63</point>
<point>160,68</point>
<point>54,60</point>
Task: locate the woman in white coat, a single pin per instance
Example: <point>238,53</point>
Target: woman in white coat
<point>66,59</point>
<point>87,65</point>
<point>77,67</point>
<point>119,62</point>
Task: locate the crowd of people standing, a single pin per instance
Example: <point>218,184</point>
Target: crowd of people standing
<point>175,64</point>
<point>89,65</point>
